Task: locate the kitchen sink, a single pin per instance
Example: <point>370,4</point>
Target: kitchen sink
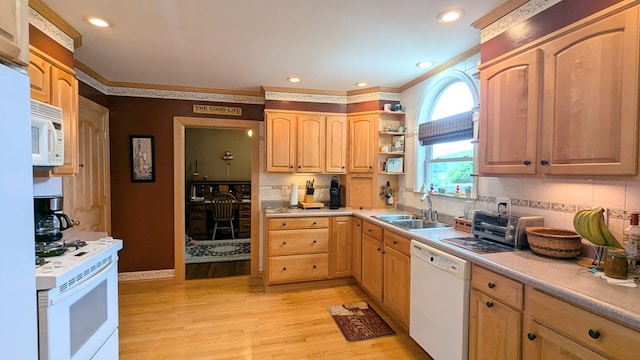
<point>410,222</point>
<point>395,217</point>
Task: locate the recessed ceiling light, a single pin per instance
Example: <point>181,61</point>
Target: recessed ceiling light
<point>361,84</point>
<point>424,64</point>
<point>293,79</point>
<point>98,22</point>
<point>450,15</point>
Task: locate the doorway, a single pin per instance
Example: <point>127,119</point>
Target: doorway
<point>180,124</point>
<point>218,161</point>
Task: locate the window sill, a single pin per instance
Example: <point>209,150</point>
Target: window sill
<point>449,196</point>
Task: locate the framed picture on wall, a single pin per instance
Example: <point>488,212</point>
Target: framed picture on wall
<point>143,167</point>
<point>394,165</point>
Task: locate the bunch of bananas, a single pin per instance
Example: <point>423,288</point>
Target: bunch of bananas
<point>590,224</point>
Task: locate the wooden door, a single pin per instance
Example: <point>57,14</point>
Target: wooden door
<point>362,130</point>
<point>341,246</point>
<point>336,145</point>
<point>494,329</point>
<point>360,191</point>
<point>39,71</point>
<point>542,343</point>
<point>281,142</point>
<point>509,115</point>
<point>356,240</point>
<point>14,30</point>
<point>397,272</point>
<point>87,194</point>
<point>591,99</point>
<point>64,94</point>
<point>311,131</point>
<point>372,266</point>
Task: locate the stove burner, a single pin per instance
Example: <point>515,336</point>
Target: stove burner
<point>50,249</point>
<point>40,261</point>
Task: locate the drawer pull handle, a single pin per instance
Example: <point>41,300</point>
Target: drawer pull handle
<point>284,243</point>
<point>315,223</point>
<point>315,241</point>
<point>314,266</point>
<point>370,230</point>
<point>395,242</point>
<point>544,162</point>
<point>491,285</point>
<point>594,333</point>
<point>526,162</point>
<point>379,249</point>
<point>284,224</point>
<point>489,304</point>
<point>531,336</point>
<point>284,269</point>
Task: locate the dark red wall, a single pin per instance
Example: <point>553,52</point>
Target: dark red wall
<point>142,213</point>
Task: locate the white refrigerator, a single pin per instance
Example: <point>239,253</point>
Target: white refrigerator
<point>18,312</point>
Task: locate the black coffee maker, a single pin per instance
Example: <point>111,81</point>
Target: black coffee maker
<point>49,220</point>
<point>334,193</point>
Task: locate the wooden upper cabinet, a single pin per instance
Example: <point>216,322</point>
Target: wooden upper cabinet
<point>509,115</point>
<point>55,84</point>
<point>336,145</point>
<point>311,143</point>
<point>64,94</point>
<point>40,78</point>
<point>14,31</point>
<point>590,109</point>
<point>362,131</point>
<point>281,141</point>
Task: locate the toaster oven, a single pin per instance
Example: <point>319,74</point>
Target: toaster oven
<point>504,228</point>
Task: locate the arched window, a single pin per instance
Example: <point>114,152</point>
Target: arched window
<point>446,133</point>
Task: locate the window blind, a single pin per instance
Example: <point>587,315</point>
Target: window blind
<point>452,128</point>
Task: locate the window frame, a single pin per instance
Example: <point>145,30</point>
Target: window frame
<point>424,153</point>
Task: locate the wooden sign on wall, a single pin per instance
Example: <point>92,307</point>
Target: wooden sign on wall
<point>217,110</point>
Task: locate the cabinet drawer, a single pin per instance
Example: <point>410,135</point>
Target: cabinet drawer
<point>397,242</point>
<point>589,329</point>
<point>198,208</point>
<point>497,286</point>
<point>372,230</point>
<point>244,214</point>
<point>298,268</point>
<point>298,242</point>
<point>298,223</point>
<point>197,215</point>
<point>244,225</point>
<point>244,207</point>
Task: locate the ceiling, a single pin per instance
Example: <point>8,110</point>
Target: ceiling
<point>245,44</point>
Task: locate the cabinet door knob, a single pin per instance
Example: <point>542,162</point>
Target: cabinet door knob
<point>299,167</point>
<point>284,243</point>
<point>290,166</point>
<point>315,223</point>
<point>315,241</point>
<point>594,333</point>
<point>314,266</point>
<point>531,336</point>
<point>343,166</point>
<point>527,162</point>
<point>370,167</point>
<point>379,249</point>
<point>544,162</point>
<point>489,304</point>
<point>284,269</point>
<point>284,224</point>
<point>395,242</point>
<point>491,285</point>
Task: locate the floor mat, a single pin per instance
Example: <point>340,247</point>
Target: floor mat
<point>203,251</point>
<point>358,321</point>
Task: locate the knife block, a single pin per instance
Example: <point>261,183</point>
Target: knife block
<point>309,198</point>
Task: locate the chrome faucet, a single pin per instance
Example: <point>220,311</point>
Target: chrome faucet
<point>428,214</point>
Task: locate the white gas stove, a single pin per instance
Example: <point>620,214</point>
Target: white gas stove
<point>78,302</point>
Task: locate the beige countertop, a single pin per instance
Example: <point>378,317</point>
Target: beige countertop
<point>562,278</point>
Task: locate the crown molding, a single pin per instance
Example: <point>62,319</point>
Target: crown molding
<point>497,13</point>
<point>516,16</point>
<point>442,67</point>
<point>56,20</point>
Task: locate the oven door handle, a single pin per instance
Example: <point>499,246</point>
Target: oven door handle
<point>97,277</point>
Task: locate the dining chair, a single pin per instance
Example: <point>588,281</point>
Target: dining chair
<point>222,208</point>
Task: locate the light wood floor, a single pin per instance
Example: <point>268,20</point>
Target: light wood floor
<point>229,318</point>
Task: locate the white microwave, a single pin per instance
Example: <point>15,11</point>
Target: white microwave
<point>47,134</point>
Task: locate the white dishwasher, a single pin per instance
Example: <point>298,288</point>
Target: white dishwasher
<point>439,302</point>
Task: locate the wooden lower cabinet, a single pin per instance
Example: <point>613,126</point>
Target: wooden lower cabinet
<point>372,266</point>
<point>494,329</point>
<point>495,316</point>
<point>555,329</point>
<point>396,284</point>
<point>341,246</point>
<point>356,253</point>
<point>297,249</point>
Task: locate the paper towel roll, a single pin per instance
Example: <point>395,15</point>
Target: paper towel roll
<point>293,196</point>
